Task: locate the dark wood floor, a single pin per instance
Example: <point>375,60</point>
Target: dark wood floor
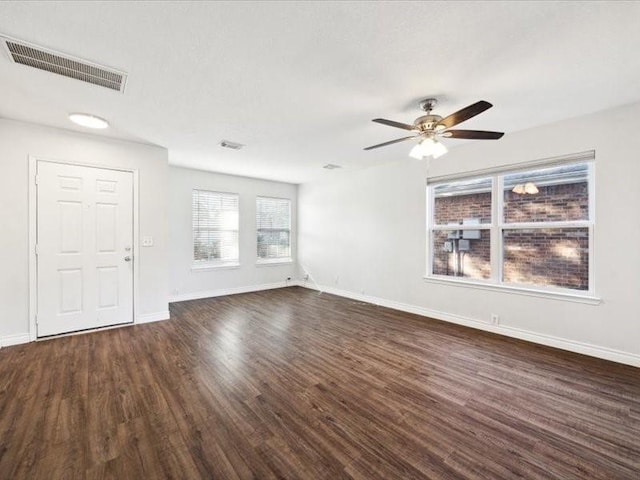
<point>292,384</point>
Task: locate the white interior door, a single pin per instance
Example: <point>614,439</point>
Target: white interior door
<point>84,248</point>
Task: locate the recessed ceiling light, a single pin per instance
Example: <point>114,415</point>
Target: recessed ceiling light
<point>89,121</point>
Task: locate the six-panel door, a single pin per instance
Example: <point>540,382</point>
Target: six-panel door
<point>84,248</point>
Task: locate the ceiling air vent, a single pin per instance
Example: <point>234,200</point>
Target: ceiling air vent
<point>65,65</point>
<point>231,145</point>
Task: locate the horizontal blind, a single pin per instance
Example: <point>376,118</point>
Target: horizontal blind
<point>273,219</point>
<point>215,227</point>
<point>514,167</point>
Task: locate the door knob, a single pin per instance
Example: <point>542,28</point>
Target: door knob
<point>127,259</point>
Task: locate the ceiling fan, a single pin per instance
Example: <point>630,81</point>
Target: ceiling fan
<point>428,128</point>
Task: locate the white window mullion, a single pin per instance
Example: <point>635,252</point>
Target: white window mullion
<point>546,225</point>
<point>430,221</point>
<point>592,221</point>
<point>496,232</point>
<point>591,263</point>
<point>455,226</point>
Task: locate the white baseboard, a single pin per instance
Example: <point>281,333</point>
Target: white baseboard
<point>548,340</point>
<point>152,317</point>
<point>230,291</point>
<point>9,340</point>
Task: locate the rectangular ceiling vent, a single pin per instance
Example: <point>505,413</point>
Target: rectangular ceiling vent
<point>65,65</point>
<point>231,145</point>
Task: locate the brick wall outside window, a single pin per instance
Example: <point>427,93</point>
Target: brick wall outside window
<point>555,257</point>
<point>553,203</point>
<point>476,263</point>
<point>457,208</point>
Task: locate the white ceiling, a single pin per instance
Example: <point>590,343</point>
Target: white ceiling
<point>299,82</point>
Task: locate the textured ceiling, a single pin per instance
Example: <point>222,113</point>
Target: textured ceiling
<point>299,82</point>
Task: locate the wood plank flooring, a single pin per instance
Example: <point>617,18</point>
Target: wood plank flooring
<point>294,384</point>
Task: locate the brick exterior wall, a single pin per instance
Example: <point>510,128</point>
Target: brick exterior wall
<point>476,263</point>
<point>555,203</point>
<point>552,257</point>
<point>457,208</point>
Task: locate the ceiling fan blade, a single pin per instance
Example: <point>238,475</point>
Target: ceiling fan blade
<point>391,123</point>
<point>474,134</point>
<point>391,142</point>
<point>464,114</point>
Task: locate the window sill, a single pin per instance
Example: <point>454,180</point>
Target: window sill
<point>530,292</point>
<point>214,266</point>
<point>274,262</point>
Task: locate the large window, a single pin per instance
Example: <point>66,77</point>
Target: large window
<point>529,228</point>
<point>273,219</point>
<point>215,228</point>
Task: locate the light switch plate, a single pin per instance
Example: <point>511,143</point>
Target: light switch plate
<point>147,241</point>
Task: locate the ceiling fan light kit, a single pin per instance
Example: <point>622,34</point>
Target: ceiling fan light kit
<point>428,127</point>
<point>428,147</point>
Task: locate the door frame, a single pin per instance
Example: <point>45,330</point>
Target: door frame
<point>33,229</point>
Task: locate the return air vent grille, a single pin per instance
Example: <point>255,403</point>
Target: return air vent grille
<point>43,59</point>
<point>231,145</point>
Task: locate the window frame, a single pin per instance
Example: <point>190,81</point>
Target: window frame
<point>275,260</point>
<point>432,227</point>
<point>215,263</point>
<point>498,226</point>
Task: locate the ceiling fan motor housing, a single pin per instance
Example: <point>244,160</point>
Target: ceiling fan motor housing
<point>427,122</point>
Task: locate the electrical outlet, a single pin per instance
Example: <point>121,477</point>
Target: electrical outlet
<point>147,241</point>
<point>495,318</point>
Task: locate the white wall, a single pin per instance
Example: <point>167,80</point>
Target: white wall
<point>362,234</point>
<point>19,140</point>
<point>187,283</point>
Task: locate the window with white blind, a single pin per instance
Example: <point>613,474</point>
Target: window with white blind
<point>273,218</point>
<point>215,228</point>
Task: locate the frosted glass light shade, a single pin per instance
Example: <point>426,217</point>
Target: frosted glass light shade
<point>428,147</point>
<point>438,149</point>
<point>530,188</point>
<point>416,152</point>
<point>89,121</point>
<point>525,188</point>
